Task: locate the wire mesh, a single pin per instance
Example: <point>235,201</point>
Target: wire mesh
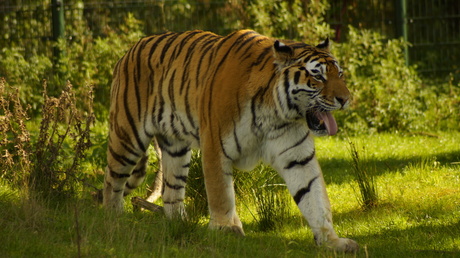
<point>434,34</point>
<point>433,25</point>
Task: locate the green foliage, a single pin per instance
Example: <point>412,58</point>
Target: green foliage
<point>387,94</point>
<point>86,60</point>
<point>90,60</point>
<point>25,73</point>
<point>385,91</point>
<point>264,189</point>
<point>196,201</point>
<point>441,106</point>
<point>64,132</point>
<point>296,19</point>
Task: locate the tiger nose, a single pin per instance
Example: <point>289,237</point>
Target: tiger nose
<point>342,100</point>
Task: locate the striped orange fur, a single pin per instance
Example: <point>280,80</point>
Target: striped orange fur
<point>239,98</point>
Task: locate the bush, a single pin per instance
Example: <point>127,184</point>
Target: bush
<point>25,73</point>
<point>441,106</point>
<point>386,93</point>
<point>86,60</point>
<point>296,20</point>
<point>90,61</point>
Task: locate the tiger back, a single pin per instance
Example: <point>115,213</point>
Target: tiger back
<point>240,99</point>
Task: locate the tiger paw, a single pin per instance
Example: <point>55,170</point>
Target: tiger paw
<point>237,230</point>
<point>117,207</point>
<point>113,202</point>
<point>343,245</point>
<point>235,227</point>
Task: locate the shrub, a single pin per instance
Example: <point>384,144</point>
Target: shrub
<point>90,60</point>
<point>25,73</point>
<point>441,106</point>
<point>296,20</point>
<point>86,60</point>
<point>386,93</point>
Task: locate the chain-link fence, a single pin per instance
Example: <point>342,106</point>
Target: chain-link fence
<point>434,33</point>
<point>29,25</point>
<point>431,26</point>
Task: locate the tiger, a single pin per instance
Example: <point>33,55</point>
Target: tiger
<point>240,99</point>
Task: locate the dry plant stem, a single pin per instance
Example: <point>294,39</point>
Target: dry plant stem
<point>139,203</point>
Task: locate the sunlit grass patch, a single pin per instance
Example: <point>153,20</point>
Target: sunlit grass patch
<point>417,216</point>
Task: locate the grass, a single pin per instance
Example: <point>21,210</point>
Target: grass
<point>364,174</point>
<point>418,213</point>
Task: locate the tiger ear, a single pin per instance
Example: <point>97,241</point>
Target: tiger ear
<point>324,45</point>
<point>283,53</point>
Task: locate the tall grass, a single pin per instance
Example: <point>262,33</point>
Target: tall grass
<point>365,176</point>
<point>269,196</point>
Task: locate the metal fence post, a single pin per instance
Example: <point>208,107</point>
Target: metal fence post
<point>401,25</point>
<point>57,12</point>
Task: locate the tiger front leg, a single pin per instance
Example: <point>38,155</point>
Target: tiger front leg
<point>309,192</point>
<point>297,164</point>
<point>220,192</point>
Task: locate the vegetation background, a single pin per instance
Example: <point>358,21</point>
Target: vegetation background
<point>392,172</point>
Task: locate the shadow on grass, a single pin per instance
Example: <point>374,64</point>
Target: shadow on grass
<point>418,241</point>
<point>337,170</point>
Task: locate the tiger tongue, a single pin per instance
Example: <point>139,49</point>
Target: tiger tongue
<point>329,122</point>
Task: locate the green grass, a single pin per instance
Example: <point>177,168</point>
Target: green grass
<point>418,213</point>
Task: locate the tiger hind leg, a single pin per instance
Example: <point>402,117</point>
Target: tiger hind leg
<point>125,172</point>
<point>137,176</point>
<point>175,162</point>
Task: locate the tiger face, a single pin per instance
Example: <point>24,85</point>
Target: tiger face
<point>311,85</point>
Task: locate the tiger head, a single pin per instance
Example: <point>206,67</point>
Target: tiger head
<point>310,84</point>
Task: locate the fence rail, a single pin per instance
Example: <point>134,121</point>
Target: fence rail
<point>433,26</point>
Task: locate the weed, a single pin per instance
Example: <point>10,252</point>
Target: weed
<point>196,191</point>
<point>15,143</point>
<point>273,206</point>
<point>268,194</point>
<point>62,126</point>
<point>364,175</point>
<point>49,164</point>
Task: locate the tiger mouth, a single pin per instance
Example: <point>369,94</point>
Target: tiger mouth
<point>322,123</point>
